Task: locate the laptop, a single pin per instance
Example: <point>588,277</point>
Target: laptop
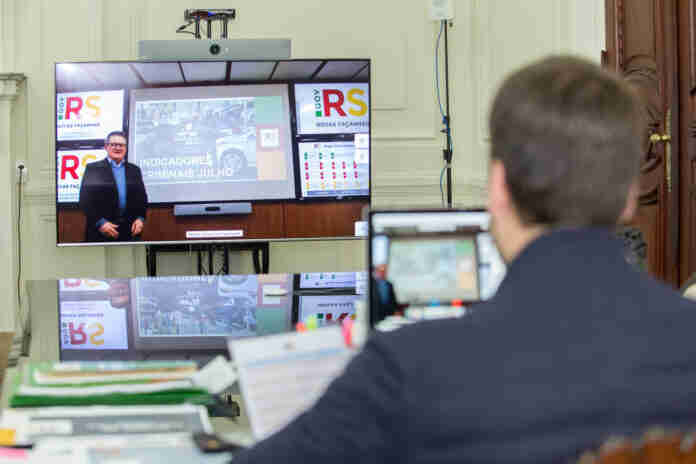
<point>427,264</point>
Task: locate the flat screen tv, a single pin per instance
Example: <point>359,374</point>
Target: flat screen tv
<point>182,151</point>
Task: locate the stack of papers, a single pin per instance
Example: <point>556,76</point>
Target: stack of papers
<point>113,383</point>
<point>169,448</point>
<point>35,424</point>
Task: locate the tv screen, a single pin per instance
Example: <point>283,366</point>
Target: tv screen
<point>255,150</point>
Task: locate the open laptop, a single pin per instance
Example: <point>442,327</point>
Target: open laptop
<point>428,264</point>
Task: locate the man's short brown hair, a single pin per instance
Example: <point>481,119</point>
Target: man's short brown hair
<point>569,135</point>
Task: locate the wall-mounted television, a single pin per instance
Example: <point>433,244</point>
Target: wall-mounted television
<point>211,151</point>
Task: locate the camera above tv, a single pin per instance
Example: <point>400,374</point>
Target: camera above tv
<point>250,150</point>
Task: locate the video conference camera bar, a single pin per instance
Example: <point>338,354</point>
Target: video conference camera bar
<point>224,15</point>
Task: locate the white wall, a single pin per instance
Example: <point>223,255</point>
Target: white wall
<point>488,38</point>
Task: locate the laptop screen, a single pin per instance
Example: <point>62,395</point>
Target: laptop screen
<point>426,258</point>
<point>441,267</point>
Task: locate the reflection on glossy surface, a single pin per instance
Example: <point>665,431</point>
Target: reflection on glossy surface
<point>192,316</point>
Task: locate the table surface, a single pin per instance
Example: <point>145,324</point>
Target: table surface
<point>180,317</point>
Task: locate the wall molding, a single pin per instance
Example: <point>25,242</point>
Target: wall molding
<point>10,84</point>
<point>95,27</point>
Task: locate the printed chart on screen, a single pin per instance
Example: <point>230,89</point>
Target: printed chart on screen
<point>330,169</point>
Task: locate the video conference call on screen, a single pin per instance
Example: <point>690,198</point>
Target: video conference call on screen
<point>272,133</point>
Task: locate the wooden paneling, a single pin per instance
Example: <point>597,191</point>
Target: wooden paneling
<point>265,221</point>
<point>71,226</point>
<point>328,219</point>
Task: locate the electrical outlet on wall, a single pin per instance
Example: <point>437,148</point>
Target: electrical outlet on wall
<point>441,9</point>
<point>21,165</point>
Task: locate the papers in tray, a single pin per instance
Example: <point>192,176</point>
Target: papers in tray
<point>32,425</point>
<point>119,383</point>
<point>170,448</point>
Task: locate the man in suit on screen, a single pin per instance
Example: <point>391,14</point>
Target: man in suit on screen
<point>113,196</point>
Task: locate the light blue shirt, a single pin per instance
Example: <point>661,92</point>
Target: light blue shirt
<point>119,170</point>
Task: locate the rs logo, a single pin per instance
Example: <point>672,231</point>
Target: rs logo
<point>69,164</point>
<point>326,100</point>
<point>74,106</point>
<point>78,336</point>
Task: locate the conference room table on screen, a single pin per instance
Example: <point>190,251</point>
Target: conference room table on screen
<point>268,220</point>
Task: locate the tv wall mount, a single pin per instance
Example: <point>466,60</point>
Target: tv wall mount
<point>209,16</point>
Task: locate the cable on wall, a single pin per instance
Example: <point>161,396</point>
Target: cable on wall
<point>19,247</point>
<point>20,344</point>
<point>445,113</point>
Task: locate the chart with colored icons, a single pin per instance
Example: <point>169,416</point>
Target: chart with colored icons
<point>327,309</point>
<point>335,168</point>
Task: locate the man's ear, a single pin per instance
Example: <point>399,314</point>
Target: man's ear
<point>498,194</point>
<point>631,206</point>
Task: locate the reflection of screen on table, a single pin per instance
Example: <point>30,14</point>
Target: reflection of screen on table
<point>423,269</point>
<point>235,140</point>
<point>327,309</point>
<point>319,280</point>
<point>206,306</point>
<point>93,314</point>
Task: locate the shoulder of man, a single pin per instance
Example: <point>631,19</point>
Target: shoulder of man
<point>423,343</point>
<point>132,166</point>
<point>101,164</point>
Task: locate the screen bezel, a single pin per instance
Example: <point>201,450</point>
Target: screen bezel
<point>298,198</point>
<point>93,144</point>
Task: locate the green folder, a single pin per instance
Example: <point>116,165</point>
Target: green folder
<point>27,392</point>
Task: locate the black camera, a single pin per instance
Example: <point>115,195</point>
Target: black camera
<point>215,49</point>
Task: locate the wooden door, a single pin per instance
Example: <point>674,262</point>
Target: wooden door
<point>687,132</point>
<point>642,46</point>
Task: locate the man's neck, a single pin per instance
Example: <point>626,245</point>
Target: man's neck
<point>517,238</point>
<point>118,164</point>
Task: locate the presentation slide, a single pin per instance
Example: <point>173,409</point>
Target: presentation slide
<point>92,325</point>
<point>205,306</point>
<point>71,167</point>
<point>234,141</point>
<point>332,108</point>
<point>88,115</point>
<point>328,309</point>
<point>329,169</point>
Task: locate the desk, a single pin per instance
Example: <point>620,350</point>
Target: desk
<point>187,317</point>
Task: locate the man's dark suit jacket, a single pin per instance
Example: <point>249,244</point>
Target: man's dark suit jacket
<point>575,346</point>
<point>99,198</point>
